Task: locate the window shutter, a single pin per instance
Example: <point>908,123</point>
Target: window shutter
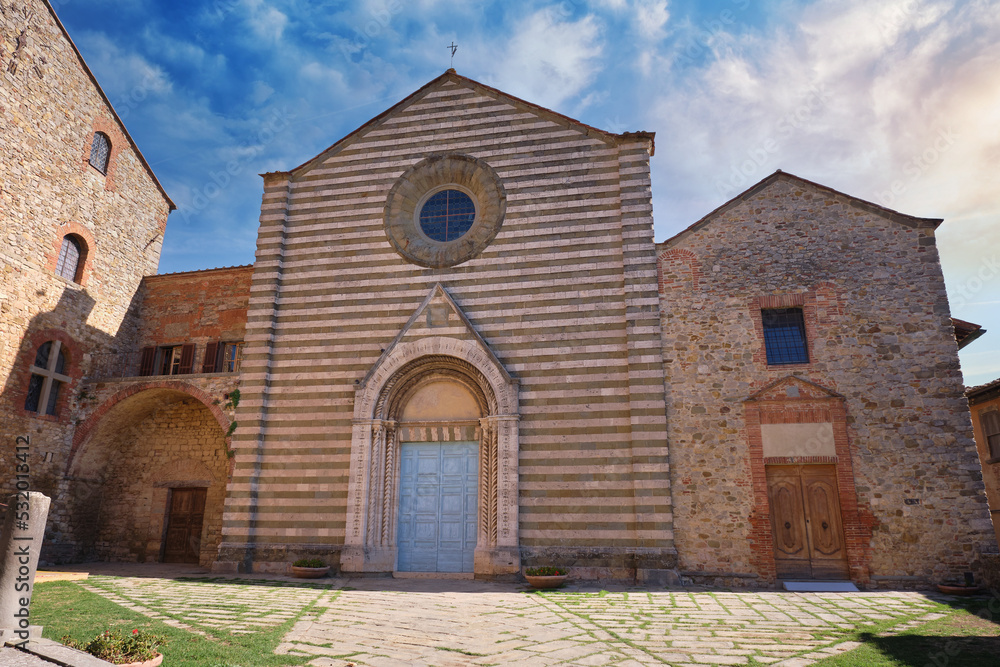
<point>187,359</point>
<point>146,360</point>
<point>211,362</point>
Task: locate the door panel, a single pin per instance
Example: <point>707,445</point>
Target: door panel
<point>806,525</point>
<point>185,520</point>
<point>791,553</point>
<point>438,501</point>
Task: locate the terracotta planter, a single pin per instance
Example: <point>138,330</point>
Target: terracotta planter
<point>949,589</point>
<point>152,662</point>
<point>551,581</point>
<point>310,572</point>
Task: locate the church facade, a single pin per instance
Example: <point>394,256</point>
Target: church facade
<point>460,350</point>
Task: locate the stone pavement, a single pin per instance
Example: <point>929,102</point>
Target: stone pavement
<point>387,622</point>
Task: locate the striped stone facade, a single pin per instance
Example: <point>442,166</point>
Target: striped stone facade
<point>559,312</point>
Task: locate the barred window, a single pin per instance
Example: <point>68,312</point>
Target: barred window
<point>990,421</point>
<point>69,258</point>
<point>784,336</point>
<point>100,150</point>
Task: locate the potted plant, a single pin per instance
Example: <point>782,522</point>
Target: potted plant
<point>135,649</point>
<point>955,587</point>
<point>309,568</point>
<point>545,576</point>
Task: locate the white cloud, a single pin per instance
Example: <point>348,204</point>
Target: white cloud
<point>651,17</point>
<point>548,60</point>
<point>133,74</point>
<point>265,21</point>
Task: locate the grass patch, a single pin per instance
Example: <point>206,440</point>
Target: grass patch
<point>460,650</point>
<point>968,636</point>
<point>67,609</point>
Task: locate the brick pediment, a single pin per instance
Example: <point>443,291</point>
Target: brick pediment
<point>792,388</point>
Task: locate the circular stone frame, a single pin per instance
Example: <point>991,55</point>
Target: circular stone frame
<point>430,175</point>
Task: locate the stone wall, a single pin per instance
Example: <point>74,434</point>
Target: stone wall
<point>179,444</point>
<point>880,345</point>
<point>50,108</point>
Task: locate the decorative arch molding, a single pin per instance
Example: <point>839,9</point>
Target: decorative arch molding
<point>85,267</point>
<point>372,501</point>
<point>85,431</point>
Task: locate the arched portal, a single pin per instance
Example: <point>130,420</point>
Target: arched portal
<point>440,399</point>
<point>148,481</point>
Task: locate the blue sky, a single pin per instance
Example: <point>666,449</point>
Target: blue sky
<point>895,101</point>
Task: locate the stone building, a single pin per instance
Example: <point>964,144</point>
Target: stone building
<point>460,350</point>
<point>984,401</point>
<point>83,218</point>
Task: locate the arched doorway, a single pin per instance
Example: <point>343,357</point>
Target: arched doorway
<point>434,464</point>
<point>148,480</point>
<point>438,477</point>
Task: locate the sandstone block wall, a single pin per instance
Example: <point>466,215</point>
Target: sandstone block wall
<point>879,336</point>
<point>50,108</point>
<point>179,444</point>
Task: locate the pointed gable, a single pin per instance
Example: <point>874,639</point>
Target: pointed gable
<point>823,191</point>
<point>439,317</point>
<point>452,96</point>
<point>792,388</point>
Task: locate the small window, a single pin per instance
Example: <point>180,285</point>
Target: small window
<point>784,336</point>
<point>990,421</point>
<point>175,360</point>
<point>447,215</point>
<point>68,263</point>
<point>100,151</point>
<point>232,354</point>
<point>222,357</point>
<point>47,378</point>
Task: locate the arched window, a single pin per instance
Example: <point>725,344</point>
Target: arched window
<point>68,263</point>
<point>47,378</point>
<point>100,150</point>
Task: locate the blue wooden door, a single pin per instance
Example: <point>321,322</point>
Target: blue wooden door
<point>438,485</point>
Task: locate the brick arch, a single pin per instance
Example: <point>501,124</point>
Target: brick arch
<point>21,378</point>
<point>86,429</point>
<point>85,267</point>
<point>685,261</point>
<point>114,134</point>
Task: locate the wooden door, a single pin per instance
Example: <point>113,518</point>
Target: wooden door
<point>438,500</point>
<point>184,523</point>
<point>805,522</point>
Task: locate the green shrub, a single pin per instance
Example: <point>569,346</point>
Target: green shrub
<point>309,562</point>
<point>545,571</point>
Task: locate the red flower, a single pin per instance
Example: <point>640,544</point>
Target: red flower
<point>135,632</point>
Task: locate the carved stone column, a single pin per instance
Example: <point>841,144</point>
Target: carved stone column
<point>369,542</point>
<point>498,551</point>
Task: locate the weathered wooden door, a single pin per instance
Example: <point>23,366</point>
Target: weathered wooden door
<point>438,500</point>
<point>184,524</point>
<point>805,522</point>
